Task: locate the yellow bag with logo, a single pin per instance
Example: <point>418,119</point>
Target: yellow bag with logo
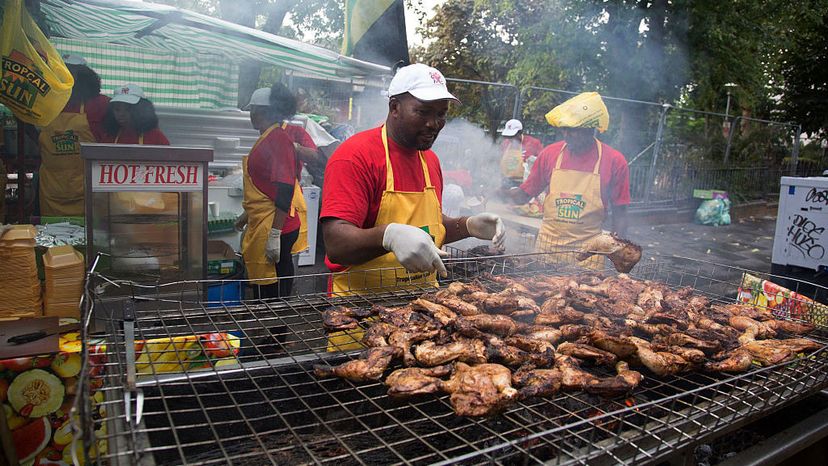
<point>36,83</point>
<point>586,110</point>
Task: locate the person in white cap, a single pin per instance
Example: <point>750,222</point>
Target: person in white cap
<point>60,180</point>
<point>586,179</point>
<point>131,118</point>
<point>516,148</point>
<point>382,194</point>
<point>274,207</point>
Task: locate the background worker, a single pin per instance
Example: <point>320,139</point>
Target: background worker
<point>60,176</point>
<point>270,183</point>
<point>587,179</point>
<point>381,205</point>
<point>131,119</point>
<point>516,148</point>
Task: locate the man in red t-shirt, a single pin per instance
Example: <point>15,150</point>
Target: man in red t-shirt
<point>573,197</point>
<point>371,220</point>
<point>516,149</point>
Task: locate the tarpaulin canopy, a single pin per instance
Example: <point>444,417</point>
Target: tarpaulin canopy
<point>162,27</point>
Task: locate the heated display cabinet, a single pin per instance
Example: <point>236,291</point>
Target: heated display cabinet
<point>146,211</point>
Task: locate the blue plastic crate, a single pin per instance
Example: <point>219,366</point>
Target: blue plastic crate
<point>224,294</point>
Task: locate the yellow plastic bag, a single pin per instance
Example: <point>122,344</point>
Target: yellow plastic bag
<point>585,110</point>
<point>36,83</point>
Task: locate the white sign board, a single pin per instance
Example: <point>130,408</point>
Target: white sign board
<point>110,176</point>
<point>802,223</point>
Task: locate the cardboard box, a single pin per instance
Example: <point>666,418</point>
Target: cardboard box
<point>781,301</point>
<point>221,259</point>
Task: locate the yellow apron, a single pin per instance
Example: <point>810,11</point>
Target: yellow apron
<point>61,167</point>
<point>298,205</point>
<point>260,213</point>
<point>511,164</point>
<point>573,212</point>
<point>385,273</point>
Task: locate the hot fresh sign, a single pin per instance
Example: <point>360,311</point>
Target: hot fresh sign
<point>147,176</point>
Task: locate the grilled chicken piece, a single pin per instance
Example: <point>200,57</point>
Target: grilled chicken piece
<point>460,289</point>
<point>768,354</point>
<point>397,316</point>
<point>788,326</point>
<point>691,355</point>
<point>404,338</point>
<point>439,312</point>
<point>749,335</point>
<point>467,350</point>
<point>529,344</point>
<point>668,318</point>
<point>619,346</point>
<point>738,360</point>
<point>682,339</point>
<point>345,318</point>
<point>413,381</point>
<point>581,351</point>
<point>598,322</point>
<point>377,334</point>
<point>508,303</point>
<point>651,329</point>
<point>622,253</point>
<point>497,324</point>
<point>743,323</point>
<point>650,298</point>
<point>626,381</point>
<point>795,345</point>
<point>369,367</point>
<point>572,376</point>
<point>661,363</point>
<point>456,304</point>
<point>540,332</point>
<point>571,332</point>
<point>509,355</point>
<point>480,390</point>
<point>565,315</point>
<point>554,305</point>
<point>536,382</point>
<point>512,286</point>
<point>746,310</point>
<point>549,285</point>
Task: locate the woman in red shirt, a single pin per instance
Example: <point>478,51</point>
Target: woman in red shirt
<point>131,119</point>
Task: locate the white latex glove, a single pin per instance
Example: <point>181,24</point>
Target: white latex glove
<point>273,245</point>
<point>488,226</point>
<point>240,222</point>
<point>414,249</point>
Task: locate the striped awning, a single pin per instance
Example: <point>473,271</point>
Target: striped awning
<point>166,28</point>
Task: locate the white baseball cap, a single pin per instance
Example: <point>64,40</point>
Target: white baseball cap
<point>512,127</point>
<point>128,93</point>
<point>260,97</point>
<point>71,59</point>
<point>423,82</point>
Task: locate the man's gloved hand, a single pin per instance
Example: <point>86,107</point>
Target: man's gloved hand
<point>488,226</point>
<point>273,245</point>
<point>414,249</point>
<point>240,222</point>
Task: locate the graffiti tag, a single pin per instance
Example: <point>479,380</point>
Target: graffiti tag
<point>817,197</point>
<point>804,235</point>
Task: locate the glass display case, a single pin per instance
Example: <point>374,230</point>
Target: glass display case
<point>146,211</point>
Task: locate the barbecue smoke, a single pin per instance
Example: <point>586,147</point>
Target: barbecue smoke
<point>465,146</point>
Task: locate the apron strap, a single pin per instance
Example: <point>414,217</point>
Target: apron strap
<point>595,170</point>
<point>284,124</point>
<point>141,138</point>
<point>389,172</point>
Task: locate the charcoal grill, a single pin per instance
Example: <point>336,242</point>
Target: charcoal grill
<point>269,408</point>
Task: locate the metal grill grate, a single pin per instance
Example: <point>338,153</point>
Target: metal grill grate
<point>271,409</point>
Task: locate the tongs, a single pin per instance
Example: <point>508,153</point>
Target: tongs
<point>131,390</point>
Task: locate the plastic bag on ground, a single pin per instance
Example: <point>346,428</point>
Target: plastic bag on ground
<point>714,212</point>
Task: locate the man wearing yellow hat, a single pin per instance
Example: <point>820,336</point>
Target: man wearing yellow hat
<point>586,179</point>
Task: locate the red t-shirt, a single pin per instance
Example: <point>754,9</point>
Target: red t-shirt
<point>615,174</point>
<point>530,146</point>
<point>95,109</point>
<point>300,136</point>
<point>153,137</point>
<point>272,161</point>
<point>355,177</point>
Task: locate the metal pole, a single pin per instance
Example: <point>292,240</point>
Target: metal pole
<point>795,154</point>
<point>727,108</point>
<point>659,137</point>
<point>518,103</point>
<point>730,139</point>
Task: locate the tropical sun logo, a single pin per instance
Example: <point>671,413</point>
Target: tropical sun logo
<point>22,81</point>
<point>570,206</point>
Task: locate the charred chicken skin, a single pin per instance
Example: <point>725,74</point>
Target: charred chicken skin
<point>370,366</point>
<point>536,382</point>
<point>480,390</point>
<point>586,352</point>
<point>468,350</point>
<point>345,318</point>
<point>413,381</point>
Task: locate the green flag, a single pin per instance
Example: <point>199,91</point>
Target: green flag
<point>375,31</point>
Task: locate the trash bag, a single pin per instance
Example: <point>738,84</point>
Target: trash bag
<point>35,83</point>
<point>714,212</point>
